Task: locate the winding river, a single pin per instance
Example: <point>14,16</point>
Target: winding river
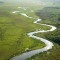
<point>48,46</point>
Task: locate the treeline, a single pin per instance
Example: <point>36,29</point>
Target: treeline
<point>53,36</point>
<point>52,13</point>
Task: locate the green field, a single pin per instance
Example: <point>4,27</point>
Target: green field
<point>13,32</point>
<point>14,28</point>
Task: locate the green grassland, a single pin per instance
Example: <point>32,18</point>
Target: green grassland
<point>13,32</point>
<point>50,15</point>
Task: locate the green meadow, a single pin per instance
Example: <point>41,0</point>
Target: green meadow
<point>14,28</point>
<point>13,32</point>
